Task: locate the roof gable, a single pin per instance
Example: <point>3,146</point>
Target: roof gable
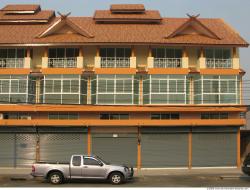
<point>64,26</point>
<point>194,27</point>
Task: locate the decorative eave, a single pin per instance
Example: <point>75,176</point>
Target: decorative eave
<point>62,22</point>
<point>193,19</point>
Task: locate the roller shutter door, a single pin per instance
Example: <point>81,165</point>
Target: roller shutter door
<point>25,150</point>
<point>7,150</point>
<point>17,146</point>
<point>164,148</point>
<point>213,149</point>
<point>59,144</point>
<point>120,149</point>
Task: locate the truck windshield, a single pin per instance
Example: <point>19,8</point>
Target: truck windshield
<point>106,163</point>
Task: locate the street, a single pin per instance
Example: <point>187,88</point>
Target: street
<point>142,181</point>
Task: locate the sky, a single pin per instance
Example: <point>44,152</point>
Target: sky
<point>234,12</point>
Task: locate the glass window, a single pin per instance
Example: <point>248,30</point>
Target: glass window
<point>104,116</point>
<point>76,161</point>
<point>91,162</point>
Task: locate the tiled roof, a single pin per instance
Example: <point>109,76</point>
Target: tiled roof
<point>127,7</point>
<point>106,33</point>
<point>122,33</point>
<point>21,7</point>
<point>107,15</point>
<point>41,15</point>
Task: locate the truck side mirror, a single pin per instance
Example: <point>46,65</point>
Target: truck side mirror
<point>101,164</point>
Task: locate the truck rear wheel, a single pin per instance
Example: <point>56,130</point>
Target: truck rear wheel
<point>116,178</point>
<point>56,178</point>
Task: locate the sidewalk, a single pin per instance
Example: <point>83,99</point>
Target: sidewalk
<point>12,172</point>
<point>190,172</point>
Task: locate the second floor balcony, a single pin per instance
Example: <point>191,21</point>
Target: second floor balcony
<point>115,62</point>
<point>218,63</point>
<point>167,62</point>
<point>65,62</point>
<point>12,62</point>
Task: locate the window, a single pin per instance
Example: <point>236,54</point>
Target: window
<point>166,53</point>
<point>17,89</point>
<point>115,52</point>
<point>12,53</point>
<point>64,89</point>
<point>77,161</point>
<point>216,53</point>
<point>165,89</point>
<point>90,161</point>
<point>218,58</point>
<point>211,89</point>
<point>16,116</point>
<point>114,116</point>
<point>167,57</point>
<point>61,116</point>
<point>214,115</point>
<point>63,52</point>
<point>163,116</point>
<point>115,89</point>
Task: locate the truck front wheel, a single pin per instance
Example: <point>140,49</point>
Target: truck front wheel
<point>55,178</point>
<point>116,178</point>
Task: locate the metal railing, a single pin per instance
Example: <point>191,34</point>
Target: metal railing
<point>115,62</point>
<point>167,62</point>
<point>68,62</point>
<point>11,62</point>
<point>218,63</point>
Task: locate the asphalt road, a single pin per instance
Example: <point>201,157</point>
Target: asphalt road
<point>146,181</point>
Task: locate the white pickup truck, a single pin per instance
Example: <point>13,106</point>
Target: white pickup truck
<point>82,167</point>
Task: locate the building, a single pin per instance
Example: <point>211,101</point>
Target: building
<point>245,135</point>
<point>126,84</point>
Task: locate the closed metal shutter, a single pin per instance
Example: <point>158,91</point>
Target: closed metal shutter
<point>7,150</point>
<point>214,149</point>
<point>120,149</point>
<point>61,146</point>
<point>25,150</point>
<point>17,146</point>
<point>164,147</point>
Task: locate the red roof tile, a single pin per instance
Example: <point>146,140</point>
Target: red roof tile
<point>41,15</point>
<point>127,7</point>
<point>106,15</point>
<point>128,33</point>
<point>21,7</point>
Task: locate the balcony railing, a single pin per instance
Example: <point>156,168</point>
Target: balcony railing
<point>68,62</point>
<point>167,62</point>
<point>218,63</point>
<point>12,63</point>
<point>115,62</point>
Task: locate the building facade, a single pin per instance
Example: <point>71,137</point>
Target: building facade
<point>126,84</point>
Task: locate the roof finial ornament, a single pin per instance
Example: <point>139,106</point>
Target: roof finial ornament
<point>64,16</point>
<point>193,16</point>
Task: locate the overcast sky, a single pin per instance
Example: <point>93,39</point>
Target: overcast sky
<point>234,12</point>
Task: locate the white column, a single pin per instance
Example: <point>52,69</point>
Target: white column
<point>79,62</point>
<point>27,62</point>
<point>97,62</point>
<point>150,62</point>
<point>132,62</point>
<point>45,61</point>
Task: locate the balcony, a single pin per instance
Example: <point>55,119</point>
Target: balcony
<point>167,63</point>
<point>115,62</point>
<point>218,63</point>
<point>69,62</point>
<point>12,62</point>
